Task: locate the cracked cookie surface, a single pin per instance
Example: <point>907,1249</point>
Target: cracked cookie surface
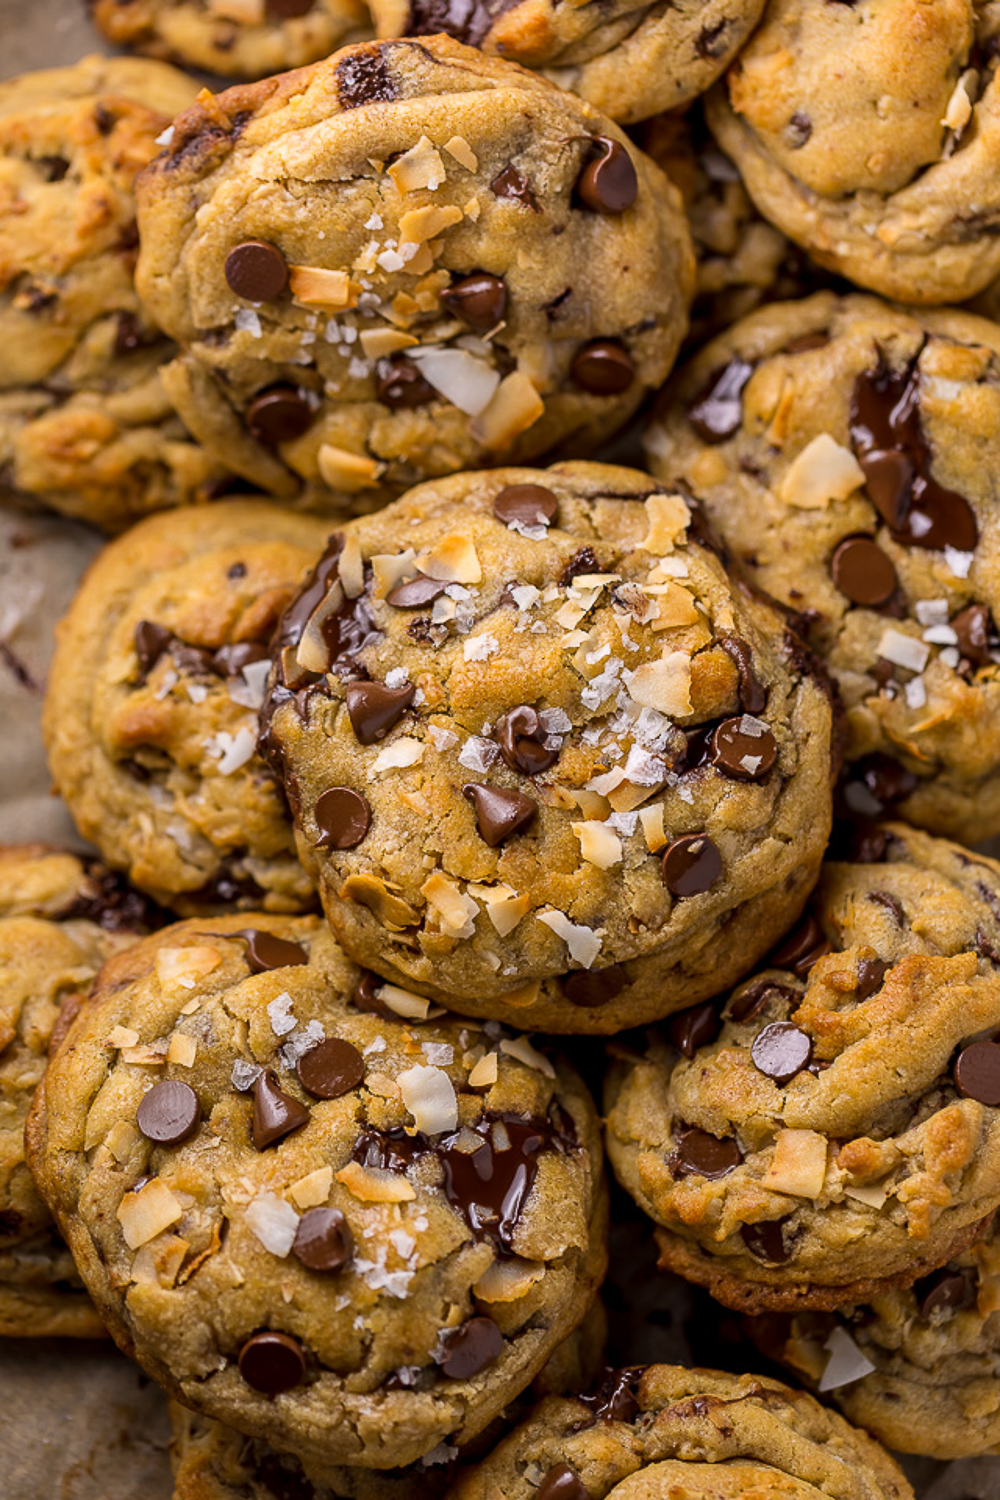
<point>354,1235</point>
<point>834,1129</point>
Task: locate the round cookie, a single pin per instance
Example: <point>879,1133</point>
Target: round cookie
<point>868,133</point>
<point>834,1130</point>
<point>629,60</point>
<point>690,1434</point>
<point>408,260</point>
<point>528,727</point>
<point>352,1235</point>
<point>150,715</point>
<point>846,452</point>
<point>85,425</point>
<point>916,1366</point>
<point>60,917</point>
<point>235,38</point>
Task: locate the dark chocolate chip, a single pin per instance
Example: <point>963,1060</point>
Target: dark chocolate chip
<point>877,783</point>
<point>230,660</point>
<point>500,814</point>
<point>331,1068</point>
<point>603,367</point>
<point>374,709</point>
<point>287,10</point>
<point>798,130</point>
<point>323,1240</point>
<point>781,1050</point>
<point>275,1113</point>
<point>608,183</point>
<point>977,1073</point>
<point>151,641</point>
<point>521,737</point>
<point>511,184</point>
<point>691,865</point>
<point>743,756</point>
<point>527,504</point>
<point>698,1154</point>
<point>614,1399</point>
<point>415,593</point>
<point>766,1241</point>
<point>801,948</point>
<point>892,905</point>
<point>562,1483</point>
<point>977,637</point>
<point>867,844</point>
<point>863,572</point>
<point>363,77</point>
<point>871,973</point>
<point>583,561</point>
<point>753,694</point>
<point>366,997</point>
<point>480,300</point>
<point>717,410</point>
<point>754,996</point>
<point>343,817</point>
<point>943,1291</point>
<point>589,988</point>
<point>401,386</point>
<point>272,1363</point>
<point>280,414</point>
<point>265,950</point>
<point>697,1027</point>
<point>256,271</point>
<point>470,1348</point>
<point>169,1112</point>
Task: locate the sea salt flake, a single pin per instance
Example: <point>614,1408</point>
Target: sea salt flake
<point>280,1014</point>
<point>959,562</point>
<point>244,1075</point>
<point>246,320</point>
<point>480,647</point>
<point>478,754</point>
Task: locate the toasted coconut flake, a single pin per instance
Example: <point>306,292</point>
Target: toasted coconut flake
<point>411,1007</point>
<point>121,1036</point>
<point>429,1095</point>
<point>456,912</point>
<point>183,1050</point>
<point>459,148</point>
<point>798,1166</point>
<point>514,407</point>
<point>373,1185</point>
<point>398,755</point>
<point>822,472</point>
<point>664,685</point>
<point>315,287</point>
<point>422,224</point>
<point>377,343</point>
<point>599,844</point>
<point>120,1140</point>
<point>391,910</point>
<point>452,559</point>
<point>485,1073</point>
<point>675,607</point>
<point>146,1213</point>
<point>343,470</point>
<point>651,819</point>
<point>181,968</point>
<point>420,167</point>
<point>390,568</point>
<point>520,1048</point>
<point>668,518</point>
<point>525,996</point>
<point>313,1189</point>
<point>583,943</point>
<point>508,1280</point>
<point>872,1195</point>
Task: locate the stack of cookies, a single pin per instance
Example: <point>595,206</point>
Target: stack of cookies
<point>466,809</point>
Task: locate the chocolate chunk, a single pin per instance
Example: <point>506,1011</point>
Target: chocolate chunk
<point>562,1483</point>
<point>977,1073</point>
<point>480,300</point>
<point>280,414</point>
<point>521,737</point>
<point>603,367</point>
<point>614,1399</point>
<point>366,997</point>
<point>416,593</point>
<point>331,1068</point>
<point>608,183</point>
<point>691,865</point>
<point>753,694</point>
<point>265,950</point>
<point>752,999</point>
<point>527,504</point>
<point>977,636</point>
<point>876,784</point>
<point>230,660</point>
<point>717,410</point>
<point>54,168</point>
<point>400,385</point>
<point>499,813</point>
<point>256,271</point>
<point>511,184</point>
<point>343,817</point>
<point>871,973</point>
<point>272,1363</point>
<point>781,1050</point>
<point>364,78</point>
<point>169,1112</point>
<point>743,756</point>
<point>892,905</point>
<point>590,988</point>
<point>275,1113</point>
<point>286,10</point>
<point>374,709</point>
<point>583,561</point>
<point>323,1240</point>
<point>801,948</point>
<point>698,1154</point>
<point>469,1349</point>
<point>697,1027</point>
<point>766,1241</point>
<point>863,572</point>
<point>943,1291</point>
<point>150,641</point>
<point>867,844</point>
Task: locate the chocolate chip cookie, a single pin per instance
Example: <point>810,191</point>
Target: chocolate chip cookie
<point>150,717</point>
<point>694,1434</point>
<point>915,1366</point>
<point>629,60</point>
<point>833,1130</point>
<point>60,917</point>
<point>408,260</point>
<point>353,1228</point>
<point>530,729</point>
<point>236,38</point>
<point>868,133</point>
<point>846,452</point>
<point>85,425</point>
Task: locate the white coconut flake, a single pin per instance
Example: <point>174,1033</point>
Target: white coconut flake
<point>846,1363</point>
<point>915,693</point>
<point>931,611</point>
<point>959,562</point>
<point>522,1049</point>
<point>464,380</point>
<point>249,688</point>
<point>429,1095</point>
<point>583,943</point>
<point>941,635</point>
<point>402,752</point>
<point>903,650</point>
<point>273,1221</point>
<point>247,320</point>
<point>244,1075</point>
<point>478,754</point>
<point>525,596</point>
<point>279,1013</point>
<point>233,750</point>
<point>165,138</point>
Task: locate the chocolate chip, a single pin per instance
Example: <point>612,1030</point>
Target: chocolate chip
<point>780,1051</point>
<point>877,783</point>
<point>699,1154</point>
<point>801,948</point>
<point>400,385</point>
<point>331,1068</point>
<point>499,814</point>
<point>374,709</point>
<point>590,988</point>
<point>323,1240</point>
<point>521,737</point>
<point>366,997</point>
<point>608,183</point>
<point>766,1241</point>
<point>416,593</point>
<point>280,414</point>
<point>265,950</point>
<point>943,1291</point>
<point>467,1350</point>
<point>583,561</point>
<point>511,184</point>
<point>287,10</point>
<point>272,1363</point>
<point>256,271</point>
<point>603,367</point>
<point>562,1483</point>
<point>867,844</point>
<point>717,410</point>
<point>697,1027</point>
<point>150,641</point>
<point>480,300</point>
<point>527,504</point>
<point>275,1113</point>
<point>892,905</point>
<point>614,1399</point>
<point>691,865</point>
<point>169,1112</point>
<point>977,1073</point>
<point>798,130</point>
<point>343,817</point>
<point>743,756</point>
<point>363,77</point>
<point>752,999</point>
<point>871,973</point>
<point>977,637</point>
<point>863,572</point>
<point>230,660</point>
<point>753,694</point>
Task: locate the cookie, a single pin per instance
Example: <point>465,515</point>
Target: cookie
<point>834,1129</point>
<point>694,1434</point>
<point>529,727</point>
<point>150,716</point>
<point>631,61</point>
<point>235,38</point>
<point>60,917</point>
<point>867,132</point>
<point>408,260</point>
<point>85,425</point>
<point>352,1235</point>
<point>915,1366</point>
<point>845,452</point>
